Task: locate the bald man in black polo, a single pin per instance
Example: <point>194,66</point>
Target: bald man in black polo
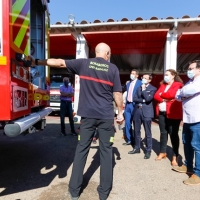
<point>99,83</point>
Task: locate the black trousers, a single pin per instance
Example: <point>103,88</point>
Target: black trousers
<point>106,136</point>
<point>66,108</point>
<point>171,127</point>
<point>138,120</point>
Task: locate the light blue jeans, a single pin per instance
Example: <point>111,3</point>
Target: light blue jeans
<point>191,141</point>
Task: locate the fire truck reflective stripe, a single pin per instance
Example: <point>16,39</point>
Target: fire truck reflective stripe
<point>96,80</point>
<point>20,26</point>
<point>13,1</point>
<point>26,43</point>
<point>3,60</point>
<point>26,51</point>
<point>22,32</point>
<point>21,16</point>
<point>16,9</point>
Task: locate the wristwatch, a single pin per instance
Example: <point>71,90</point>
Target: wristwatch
<point>36,61</point>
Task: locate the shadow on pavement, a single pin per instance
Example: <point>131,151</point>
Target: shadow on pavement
<point>156,149</point>
<point>33,161</point>
<point>95,165</point>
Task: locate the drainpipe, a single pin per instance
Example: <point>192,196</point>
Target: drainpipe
<point>170,54</point>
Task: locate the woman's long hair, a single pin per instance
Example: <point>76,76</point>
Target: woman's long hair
<point>175,74</point>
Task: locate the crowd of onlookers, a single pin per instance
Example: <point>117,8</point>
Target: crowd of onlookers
<point>175,102</point>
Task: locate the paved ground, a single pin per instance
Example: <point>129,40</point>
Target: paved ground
<point>38,167</point>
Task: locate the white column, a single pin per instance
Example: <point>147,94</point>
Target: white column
<point>82,51</point>
<point>170,54</point>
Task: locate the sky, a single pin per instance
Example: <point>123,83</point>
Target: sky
<point>103,10</point>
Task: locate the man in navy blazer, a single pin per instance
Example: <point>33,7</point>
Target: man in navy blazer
<point>143,114</point>
<point>131,87</point>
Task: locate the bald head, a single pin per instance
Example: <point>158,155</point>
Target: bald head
<point>103,50</point>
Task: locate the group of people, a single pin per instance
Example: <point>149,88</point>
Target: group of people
<point>175,102</point>
<point>99,85</point>
<point>140,110</point>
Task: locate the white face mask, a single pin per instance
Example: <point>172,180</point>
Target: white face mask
<point>132,77</point>
<point>166,79</point>
<point>190,74</point>
<point>144,81</point>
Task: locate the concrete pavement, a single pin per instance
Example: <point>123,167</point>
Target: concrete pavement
<point>46,162</point>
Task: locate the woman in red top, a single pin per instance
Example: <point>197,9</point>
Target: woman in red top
<point>170,113</point>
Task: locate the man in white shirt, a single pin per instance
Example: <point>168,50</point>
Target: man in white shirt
<point>190,97</point>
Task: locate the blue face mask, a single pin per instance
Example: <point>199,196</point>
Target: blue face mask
<point>190,74</point>
<point>166,79</point>
<point>66,83</point>
<point>132,77</point>
<point>144,81</point>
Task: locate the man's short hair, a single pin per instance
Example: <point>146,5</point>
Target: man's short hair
<point>150,75</point>
<point>197,63</point>
<point>135,70</point>
<point>66,78</point>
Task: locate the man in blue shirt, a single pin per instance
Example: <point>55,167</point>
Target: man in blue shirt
<point>66,94</point>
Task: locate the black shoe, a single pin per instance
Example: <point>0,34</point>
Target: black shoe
<point>134,151</point>
<point>74,133</point>
<point>147,155</point>
<point>126,143</point>
<point>63,133</point>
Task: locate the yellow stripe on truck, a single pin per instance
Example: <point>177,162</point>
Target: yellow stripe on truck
<point>3,60</point>
<point>16,9</point>
<point>22,32</point>
<point>26,51</point>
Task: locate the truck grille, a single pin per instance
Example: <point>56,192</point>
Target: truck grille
<point>54,98</point>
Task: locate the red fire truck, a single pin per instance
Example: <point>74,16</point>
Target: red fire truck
<point>24,90</point>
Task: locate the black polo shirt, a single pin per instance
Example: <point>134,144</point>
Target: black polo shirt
<point>98,80</point>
